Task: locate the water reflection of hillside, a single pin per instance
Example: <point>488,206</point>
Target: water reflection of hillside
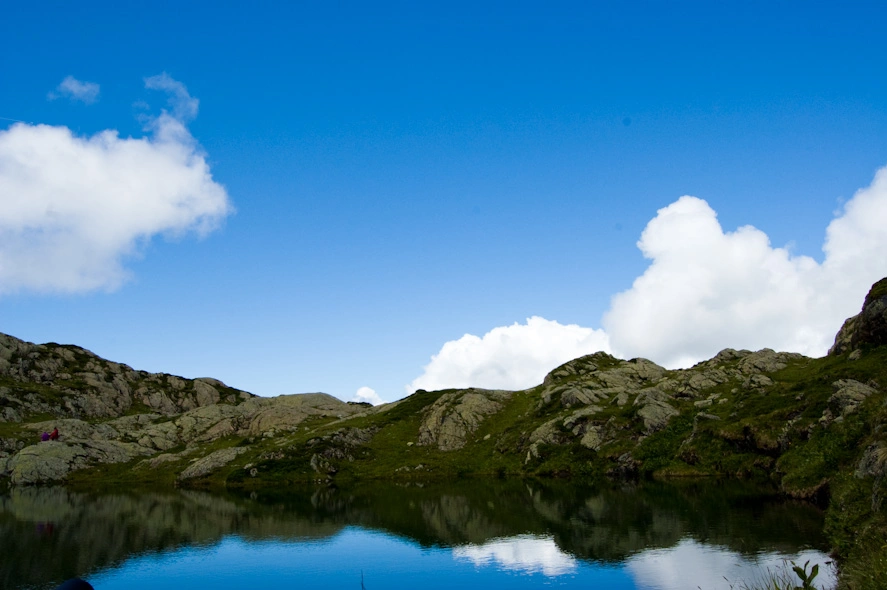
<point>49,534</point>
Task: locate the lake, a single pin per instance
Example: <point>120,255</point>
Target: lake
<point>384,536</point>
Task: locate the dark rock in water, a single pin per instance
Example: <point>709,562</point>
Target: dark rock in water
<point>75,584</point>
<point>869,328</point>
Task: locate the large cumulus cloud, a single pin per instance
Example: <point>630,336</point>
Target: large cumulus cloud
<point>705,289</point>
<point>73,208</point>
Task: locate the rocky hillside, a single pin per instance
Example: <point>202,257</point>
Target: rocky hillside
<point>741,413</point>
<point>109,413</point>
<point>68,381</point>
<point>813,427</point>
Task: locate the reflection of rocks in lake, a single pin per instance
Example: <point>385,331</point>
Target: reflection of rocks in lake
<point>94,531</point>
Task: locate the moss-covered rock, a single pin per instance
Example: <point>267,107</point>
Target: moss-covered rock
<point>454,416</point>
<point>210,463</point>
<point>869,328</point>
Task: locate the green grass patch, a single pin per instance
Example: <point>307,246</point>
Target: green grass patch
<point>660,449</point>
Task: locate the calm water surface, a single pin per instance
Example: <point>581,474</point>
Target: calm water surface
<point>468,534</point>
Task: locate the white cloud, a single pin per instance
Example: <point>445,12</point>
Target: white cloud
<point>856,241</point>
<point>73,208</point>
<point>368,395</point>
<point>510,357</point>
<point>524,553</point>
<point>71,87</point>
<point>705,290</point>
<point>184,106</point>
<point>690,565</point>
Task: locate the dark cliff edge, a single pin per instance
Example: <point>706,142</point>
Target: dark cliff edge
<point>813,428</point>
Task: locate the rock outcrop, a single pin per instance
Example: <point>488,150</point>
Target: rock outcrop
<point>585,387</point>
<point>849,394</point>
<point>123,439</point>
<point>869,327</point>
<point>211,462</point>
<point>454,416</point>
<point>71,382</point>
<point>53,461</point>
<point>600,379</point>
<point>654,409</point>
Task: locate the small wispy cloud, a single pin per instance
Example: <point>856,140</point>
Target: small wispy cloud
<point>184,106</point>
<point>76,90</point>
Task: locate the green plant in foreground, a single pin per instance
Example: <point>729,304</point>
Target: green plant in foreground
<point>806,579</point>
<point>784,581</point>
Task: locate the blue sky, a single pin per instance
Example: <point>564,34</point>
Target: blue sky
<point>396,176</point>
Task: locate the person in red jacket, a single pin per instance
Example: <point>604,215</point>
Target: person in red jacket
<point>54,435</point>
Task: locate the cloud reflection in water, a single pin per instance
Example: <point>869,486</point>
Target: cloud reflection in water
<point>525,553</point>
<point>690,565</point>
